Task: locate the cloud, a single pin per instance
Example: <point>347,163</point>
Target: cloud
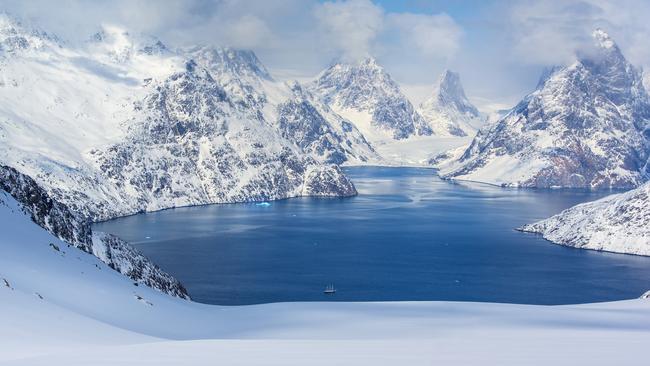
<point>357,28</point>
<point>432,35</point>
<point>552,31</point>
<point>498,46</point>
<point>350,26</point>
<point>247,31</point>
<point>294,33</point>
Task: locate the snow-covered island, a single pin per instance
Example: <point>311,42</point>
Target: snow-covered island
<point>617,223</point>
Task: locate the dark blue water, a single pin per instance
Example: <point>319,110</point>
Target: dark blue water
<point>407,236</point>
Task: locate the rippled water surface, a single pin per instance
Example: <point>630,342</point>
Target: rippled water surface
<point>407,236</point>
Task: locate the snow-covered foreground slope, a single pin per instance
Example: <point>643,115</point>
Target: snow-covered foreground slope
<point>65,307</point>
<point>617,223</point>
<point>121,124</point>
<point>586,126</point>
<point>59,221</point>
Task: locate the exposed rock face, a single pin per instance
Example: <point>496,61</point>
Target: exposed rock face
<point>122,257</point>
<point>586,126</point>
<point>235,63</point>
<point>616,223</point>
<point>366,94</point>
<point>44,211</point>
<point>322,133</point>
<point>62,223</point>
<point>448,111</point>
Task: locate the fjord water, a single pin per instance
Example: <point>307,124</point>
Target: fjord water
<point>408,235</point>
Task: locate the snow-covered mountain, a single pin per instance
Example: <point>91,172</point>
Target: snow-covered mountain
<point>448,111</point>
<point>365,94</point>
<point>617,223</point>
<point>586,125</point>
<point>121,124</point>
<point>298,115</point>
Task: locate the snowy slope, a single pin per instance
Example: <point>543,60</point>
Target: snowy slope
<point>616,223</point>
<point>365,94</point>
<point>66,307</point>
<point>586,125</point>
<point>121,124</point>
<point>420,151</point>
<point>74,231</point>
<point>448,111</point>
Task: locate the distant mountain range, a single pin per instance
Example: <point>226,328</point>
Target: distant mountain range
<point>366,94</point>
<point>123,124</point>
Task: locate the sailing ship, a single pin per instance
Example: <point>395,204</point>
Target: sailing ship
<point>329,289</point>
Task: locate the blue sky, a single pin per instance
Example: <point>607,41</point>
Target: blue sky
<point>458,9</point>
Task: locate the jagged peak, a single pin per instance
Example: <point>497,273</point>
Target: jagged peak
<point>603,53</point>
<point>363,77</point>
<point>365,64</point>
<point>241,62</point>
<point>12,24</point>
<point>449,91</point>
<point>449,85</point>
<point>370,62</point>
<point>6,20</point>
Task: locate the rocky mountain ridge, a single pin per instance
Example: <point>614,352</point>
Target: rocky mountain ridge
<point>586,126</point>
<point>364,93</point>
